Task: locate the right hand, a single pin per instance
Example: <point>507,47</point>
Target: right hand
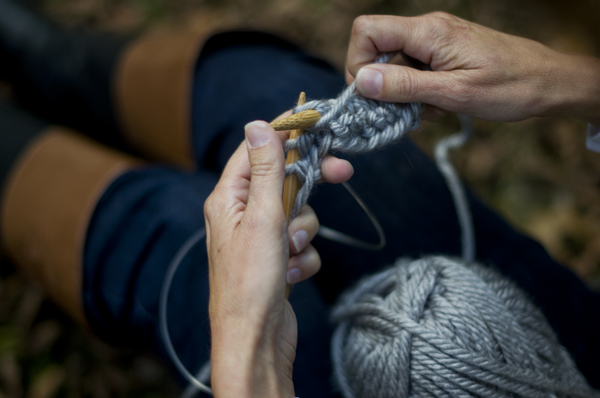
<point>253,326</point>
<point>477,71</point>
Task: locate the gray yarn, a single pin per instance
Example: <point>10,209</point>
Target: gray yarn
<point>456,188</point>
<point>438,327</point>
<point>203,376</point>
<point>350,123</point>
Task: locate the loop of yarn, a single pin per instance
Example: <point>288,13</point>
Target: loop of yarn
<point>442,327</point>
<point>349,123</point>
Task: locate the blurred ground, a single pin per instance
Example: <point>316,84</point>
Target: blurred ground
<point>537,173</point>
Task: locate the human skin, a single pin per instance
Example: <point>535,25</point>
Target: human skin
<point>476,71</point>
<point>253,326</point>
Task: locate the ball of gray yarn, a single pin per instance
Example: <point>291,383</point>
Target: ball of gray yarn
<point>440,327</point>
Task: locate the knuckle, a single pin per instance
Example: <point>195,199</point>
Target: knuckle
<point>312,222</point>
<point>214,204</point>
<point>308,212</point>
<point>443,26</point>
<point>308,260</point>
<point>263,169</point>
<point>446,32</point>
<point>306,220</point>
<point>439,24</point>
<point>441,15</point>
<point>447,27</point>
<point>361,25</point>
<point>210,206</point>
<point>407,84</point>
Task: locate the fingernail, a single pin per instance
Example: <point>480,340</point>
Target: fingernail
<point>369,81</point>
<point>293,276</point>
<point>257,134</point>
<point>300,240</point>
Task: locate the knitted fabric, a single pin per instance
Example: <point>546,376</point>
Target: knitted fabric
<point>349,123</point>
<point>442,327</point>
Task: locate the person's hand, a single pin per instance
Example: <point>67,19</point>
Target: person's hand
<point>253,326</point>
<point>477,71</point>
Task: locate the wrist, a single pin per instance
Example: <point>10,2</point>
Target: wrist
<point>576,88</point>
<point>242,370</point>
<point>247,362</point>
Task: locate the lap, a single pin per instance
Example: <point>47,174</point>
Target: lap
<point>146,215</point>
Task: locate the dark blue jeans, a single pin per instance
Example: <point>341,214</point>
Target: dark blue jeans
<point>146,215</point>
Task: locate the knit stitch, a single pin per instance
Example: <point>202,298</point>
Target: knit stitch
<point>350,123</point>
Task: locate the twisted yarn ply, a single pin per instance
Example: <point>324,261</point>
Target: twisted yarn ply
<point>443,327</point>
<point>349,123</point>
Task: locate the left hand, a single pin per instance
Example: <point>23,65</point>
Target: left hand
<point>253,326</point>
<point>477,71</point>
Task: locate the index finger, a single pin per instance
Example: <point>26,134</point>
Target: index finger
<point>373,35</point>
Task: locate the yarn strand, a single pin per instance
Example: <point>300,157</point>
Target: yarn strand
<point>456,188</point>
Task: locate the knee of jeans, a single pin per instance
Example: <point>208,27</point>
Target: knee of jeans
<point>227,94</point>
<point>138,226</point>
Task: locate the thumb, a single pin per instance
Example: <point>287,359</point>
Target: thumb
<point>267,167</point>
<point>397,83</point>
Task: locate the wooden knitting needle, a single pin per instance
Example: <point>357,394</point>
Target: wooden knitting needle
<point>300,120</point>
<point>291,185</point>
